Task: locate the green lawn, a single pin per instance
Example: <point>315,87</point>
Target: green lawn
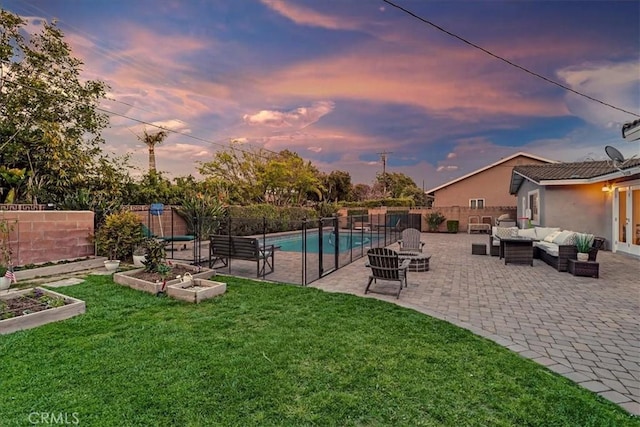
<point>265,354</point>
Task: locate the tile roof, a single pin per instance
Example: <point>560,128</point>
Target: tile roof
<point>573,173</point>
<point>576,170</point>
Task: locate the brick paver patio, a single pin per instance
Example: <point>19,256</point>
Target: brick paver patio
<point>583,328</point>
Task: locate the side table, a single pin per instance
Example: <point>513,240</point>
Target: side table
<point>478,249</point>
<point>584,268</point>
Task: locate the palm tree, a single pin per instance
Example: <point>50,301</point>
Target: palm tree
<point>151,140</point>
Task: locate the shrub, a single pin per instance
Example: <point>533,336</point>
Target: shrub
<point>452,225</point>
<point>119,235</point>
<point>155,255</point>
<point>256,219</point>
<point>326,209</point>
<point>375,203</point>
<point>5,247</point>
<point>434,219</point>
<point>203,214</point>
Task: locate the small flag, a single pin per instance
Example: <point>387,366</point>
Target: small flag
<point>10,275</point>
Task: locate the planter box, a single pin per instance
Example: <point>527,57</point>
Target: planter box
<point>196,290</point>
<point>125,278</point>
<point>73,308</point>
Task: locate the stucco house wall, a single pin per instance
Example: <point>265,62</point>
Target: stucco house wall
<point>491,184</point>
<point>583,208</point>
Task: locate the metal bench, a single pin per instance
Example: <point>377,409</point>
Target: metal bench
<point>222,248</point>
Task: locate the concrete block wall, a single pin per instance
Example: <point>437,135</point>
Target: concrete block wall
<point>462,214</point>
<point>50,236</point>
<point>459,213</point>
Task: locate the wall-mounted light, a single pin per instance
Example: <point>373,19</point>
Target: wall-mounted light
<point>606,188</point>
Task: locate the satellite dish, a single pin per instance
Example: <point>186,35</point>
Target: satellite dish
<point>614,154</point>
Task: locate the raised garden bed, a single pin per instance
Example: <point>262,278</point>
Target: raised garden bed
<point>196,290</point>
<point>150,282</point>
<point>30,308</point>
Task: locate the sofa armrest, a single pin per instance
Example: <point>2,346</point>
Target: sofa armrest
<point>565,253</point>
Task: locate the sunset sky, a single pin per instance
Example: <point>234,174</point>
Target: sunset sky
<point>340,81</point>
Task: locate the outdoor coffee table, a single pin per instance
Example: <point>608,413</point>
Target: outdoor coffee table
<point>419,261</point>
<point>516,250</point>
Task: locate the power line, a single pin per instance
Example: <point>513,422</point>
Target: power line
<point>112,55</point>
<point>513,64</point>
<point>109,112</point>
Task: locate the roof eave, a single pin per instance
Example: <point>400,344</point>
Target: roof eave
<point>631,131</point>
<point>516,181</point>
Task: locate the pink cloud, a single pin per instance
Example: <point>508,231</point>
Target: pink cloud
<point>298,118</point>
<point>419,79</point>
<point>306,16</point>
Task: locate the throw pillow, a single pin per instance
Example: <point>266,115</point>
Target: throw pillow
<point>549,238</point>
<point>542,232</point>
<point>503,232</point>
<point>565,237</point>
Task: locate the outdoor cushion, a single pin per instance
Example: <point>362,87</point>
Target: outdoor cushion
<point>549,238</point>
<point>550,248</point>
<point>542,232</point>
<point>528,232</point>
<point>565,237</point>
<point>503,232</point>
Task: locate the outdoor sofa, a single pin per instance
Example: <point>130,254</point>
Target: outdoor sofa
<point>550,244</point>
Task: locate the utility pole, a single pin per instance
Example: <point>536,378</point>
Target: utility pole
<point>383,158</point>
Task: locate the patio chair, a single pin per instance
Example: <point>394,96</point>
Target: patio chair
<point>385,265</point>
<point>598,243</point>
<point>174,238</point>
<point>472,222</point>
<point>410,241</point>
<point>487,219</point>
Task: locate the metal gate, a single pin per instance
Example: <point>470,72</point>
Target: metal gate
<point>320,249</point>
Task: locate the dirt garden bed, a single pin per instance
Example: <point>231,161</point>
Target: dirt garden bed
<point>29,308</point>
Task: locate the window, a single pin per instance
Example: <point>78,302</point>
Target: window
<point>534,206</point>
<point>476,203</point>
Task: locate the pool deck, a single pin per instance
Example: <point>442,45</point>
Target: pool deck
<point>583,328</point>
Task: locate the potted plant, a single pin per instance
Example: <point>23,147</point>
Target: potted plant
<point>583,244</point>
<point>117,237</point>
<point>140,255</point>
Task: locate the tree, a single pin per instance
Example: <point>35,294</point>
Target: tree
<point>338,185</point>
<point>398,184</point>
<point>288,179</point>
<point>238,171</point>
<point>257,176</point>
<point>151,140</point>
<point>361,192</point>
<point>49,122</point>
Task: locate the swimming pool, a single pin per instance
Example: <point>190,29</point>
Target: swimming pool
<point>293,242</point>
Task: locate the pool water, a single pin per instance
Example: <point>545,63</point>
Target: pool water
<point>293,242</point>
